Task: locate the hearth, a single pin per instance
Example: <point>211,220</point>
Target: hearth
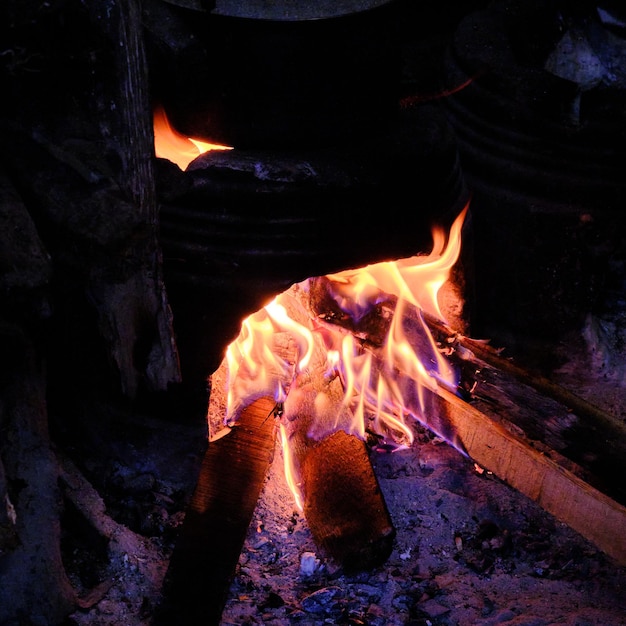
<point>140,273</point>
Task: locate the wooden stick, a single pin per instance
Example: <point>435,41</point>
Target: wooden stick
<point>546,412</point>
<point>204,560</point>
<point>343,503</point>
<point>586,411</point>
<point>585,509</point>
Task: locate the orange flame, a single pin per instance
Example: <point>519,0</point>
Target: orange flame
<point>381,387</point>
<point>168,144</point>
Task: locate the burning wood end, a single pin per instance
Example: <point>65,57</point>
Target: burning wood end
<point>366,353</point>
<point>347,358</point>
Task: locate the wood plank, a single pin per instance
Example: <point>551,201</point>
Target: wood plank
<point>233,473</point>
<point>583,508</point>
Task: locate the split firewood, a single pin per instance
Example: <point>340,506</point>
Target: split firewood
<point>372,326</point>
<point>593,441</point>
<point>238,456</point>
<point>559,491</point>
<point>495,442</point>
<point>343,503</point>
<point>372,329</point>
<point>483,352</point>
<point>314,419</point>
<point>340,495</point>
<point>341,498</point>
<point>206,554</point>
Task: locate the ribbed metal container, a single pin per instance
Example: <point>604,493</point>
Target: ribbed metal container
<point>541,129</point>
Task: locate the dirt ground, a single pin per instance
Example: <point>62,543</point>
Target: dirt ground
<point>468,551</point>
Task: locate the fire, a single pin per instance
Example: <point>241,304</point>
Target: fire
<point>169,144</point>
<point>363,362</point>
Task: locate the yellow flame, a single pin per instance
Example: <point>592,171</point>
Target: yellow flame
<point>294,486</point>
<point>170,145</point>
<point>382,386</point>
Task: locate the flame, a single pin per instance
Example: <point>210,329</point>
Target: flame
<point>168,144</point>
<point>326,373</point>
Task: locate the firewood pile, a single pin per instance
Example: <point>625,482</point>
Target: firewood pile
<point>348,524</point>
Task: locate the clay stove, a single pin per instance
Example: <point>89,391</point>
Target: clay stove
<point>472,78</point>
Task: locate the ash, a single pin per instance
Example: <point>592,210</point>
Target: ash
<point>469,551</point>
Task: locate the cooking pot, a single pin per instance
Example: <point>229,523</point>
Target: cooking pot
<point>283,74</point>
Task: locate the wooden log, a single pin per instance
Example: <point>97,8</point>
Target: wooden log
<point>232,475</point>
<point>496,442</point>
<point>592,440</point>
<point>589,437</point>
<point>341,498</point>
<point>343,503</point>
<point>345,508</point>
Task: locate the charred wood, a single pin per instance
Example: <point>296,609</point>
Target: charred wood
<point>593,440</point>
<point>498,423</point>
<point>349,519</point>
<point>341,498</point>
<point>205,557</point>
<point>547,413</point>
<point>343,503</point>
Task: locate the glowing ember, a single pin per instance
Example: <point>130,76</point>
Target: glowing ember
<point>370,341</point>
<point>169,144</point>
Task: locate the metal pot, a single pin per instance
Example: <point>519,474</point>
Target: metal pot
<point>282,78</point>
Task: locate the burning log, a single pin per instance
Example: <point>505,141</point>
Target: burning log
<point>233,472</point>
<point>340,495</point>
<point>339,492</point>
<point>232,475</point>
<point>343,503</point>
<point>498,444</point>
<point>330,468</point>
